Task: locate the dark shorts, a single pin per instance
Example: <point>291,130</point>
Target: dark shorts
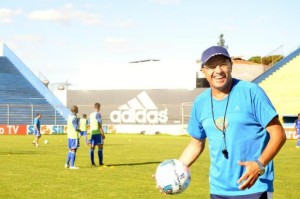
<point>263,195</point>
<point>96,139</point>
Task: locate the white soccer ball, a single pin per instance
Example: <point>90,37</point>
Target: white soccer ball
<point>46,141</point>
<point>172,176</point>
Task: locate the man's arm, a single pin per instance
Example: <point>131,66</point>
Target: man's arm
<point>277,140</point>
<point>101,131</point>
<point>75,122</point>
<point>192,151</point>
<point>98,117</point>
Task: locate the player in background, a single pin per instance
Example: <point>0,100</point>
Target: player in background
<point>297,130</point>
<point>73,138</point>
<point>97,134</point>
<point>83,123</point>
<point>37,129</point>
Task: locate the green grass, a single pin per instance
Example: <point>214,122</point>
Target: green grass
<point>29,172</point>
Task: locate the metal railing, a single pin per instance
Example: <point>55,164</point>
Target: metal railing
<point>25,114</point>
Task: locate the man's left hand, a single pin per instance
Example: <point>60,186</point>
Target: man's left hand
<point>248,179</point>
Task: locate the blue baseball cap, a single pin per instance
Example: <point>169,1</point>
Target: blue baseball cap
<point>213,51</point>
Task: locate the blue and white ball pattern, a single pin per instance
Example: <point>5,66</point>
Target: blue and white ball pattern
<point>172,176</point>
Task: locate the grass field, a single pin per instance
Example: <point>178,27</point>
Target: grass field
<point>30,172</point>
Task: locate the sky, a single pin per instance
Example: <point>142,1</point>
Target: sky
<point>90,43</point>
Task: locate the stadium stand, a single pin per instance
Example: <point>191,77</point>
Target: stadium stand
<point>280,83</point>
<point>23,94</point>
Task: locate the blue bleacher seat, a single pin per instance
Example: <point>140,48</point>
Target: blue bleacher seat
<point>20,100</point>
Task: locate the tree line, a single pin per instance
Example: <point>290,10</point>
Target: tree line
<point>266,60</point>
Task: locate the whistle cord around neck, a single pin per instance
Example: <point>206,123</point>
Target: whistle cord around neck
<point>223,130</point>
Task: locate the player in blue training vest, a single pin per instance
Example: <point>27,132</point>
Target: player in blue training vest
<point>97,135</point>
<point>297,130</point>
<point>73,138</point>
<point>37,129</point>
<point>242,128</point>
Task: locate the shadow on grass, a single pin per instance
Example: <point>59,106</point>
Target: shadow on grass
<point>125,164</point>
<point>134,164</point>
<point>21,153</point>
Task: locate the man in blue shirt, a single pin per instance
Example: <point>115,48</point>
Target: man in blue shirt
<point>297,130</point>
<point>37,129</point>
<point>243,131</point>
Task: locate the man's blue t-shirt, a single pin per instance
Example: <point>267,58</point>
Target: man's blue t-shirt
<point>249,112</point>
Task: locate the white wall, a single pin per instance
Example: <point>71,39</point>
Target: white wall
<point>1,48</point>
<point>60,94</point>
